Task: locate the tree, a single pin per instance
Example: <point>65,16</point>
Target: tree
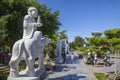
<point>112,33</point>
<point>97,42</point>
<point>110,41</point>
<point>79,41</point>
<point>11,21</point>
<point>72,45</point>
<point>113,38</point>
<point>63,34</point>
<point>96,34</point>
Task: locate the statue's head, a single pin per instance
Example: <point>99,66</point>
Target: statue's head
<point>59,35</point>
<point>33,12</point>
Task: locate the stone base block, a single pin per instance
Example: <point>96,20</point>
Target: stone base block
<point>59,60</point>
<point>23,78</point>
<point>39,76</point>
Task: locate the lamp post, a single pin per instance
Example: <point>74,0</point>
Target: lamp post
<point>115,62</point>
<point>116,52</point>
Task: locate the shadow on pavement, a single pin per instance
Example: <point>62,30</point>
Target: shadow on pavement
<point>71,77</point>
<point>60,68</point>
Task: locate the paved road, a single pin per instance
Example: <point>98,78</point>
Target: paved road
<point>68,71</point>
<point>79,70</point>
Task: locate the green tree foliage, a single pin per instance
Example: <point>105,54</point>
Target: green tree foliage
<point>110,41</point>
<point>11,15</point>
<point>112,33</point>
<point>72,45</point>
<point>63,34</point>
<point>49,20</point>
<point>77,43</point>
<point>49,49</point>
<point>113,38</point>
<point>96,34</point>
<point>96,42</point>
<point>11,19</point>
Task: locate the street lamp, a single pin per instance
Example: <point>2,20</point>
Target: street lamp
<point>115,62</point>
<point>116,52</point>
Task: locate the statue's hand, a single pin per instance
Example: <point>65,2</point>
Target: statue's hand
<point>38,19</point>
<point>38,24</point>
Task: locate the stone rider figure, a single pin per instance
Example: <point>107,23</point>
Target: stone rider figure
<point>30,25</point>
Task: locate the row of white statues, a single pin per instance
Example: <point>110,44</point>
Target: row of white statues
<point>29,48</point>
<point>62,49</point>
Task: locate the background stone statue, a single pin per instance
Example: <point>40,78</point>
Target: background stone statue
<point>65,46</point>
<point>59,49</point>
<point>59,45</point>
<point>29,47</point>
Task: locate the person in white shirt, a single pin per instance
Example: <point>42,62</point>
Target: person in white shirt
<point>89,56</point>
<point>72,57</point>
<point>95,59</point>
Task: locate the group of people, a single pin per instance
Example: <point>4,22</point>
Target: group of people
<point>93,58</point>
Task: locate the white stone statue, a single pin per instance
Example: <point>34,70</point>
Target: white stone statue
<point>30,25</point>
<point>29,48</point>
<point>59,50</point>
<point>66,46</point>
<point>59,45</point>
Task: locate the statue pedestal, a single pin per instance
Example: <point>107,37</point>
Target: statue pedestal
<point>23,78</point>
<point>59,60</point>
<point>28,78</point>
<point>40,75</point>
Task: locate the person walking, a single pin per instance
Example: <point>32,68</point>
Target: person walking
<point>72,58</point>
<point>88,57</point>
<point>108,55</point>
<point>95,59</point>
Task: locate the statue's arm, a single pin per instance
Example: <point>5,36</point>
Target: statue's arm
<point>26,22</point>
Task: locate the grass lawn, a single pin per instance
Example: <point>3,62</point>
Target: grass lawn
<point>100,76</point>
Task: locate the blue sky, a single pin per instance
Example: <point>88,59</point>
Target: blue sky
<point>81,17</point>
